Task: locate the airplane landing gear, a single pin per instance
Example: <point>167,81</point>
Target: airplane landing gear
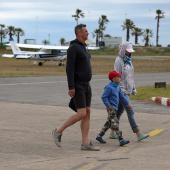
<point>40,63</point>
<point>60,64</point>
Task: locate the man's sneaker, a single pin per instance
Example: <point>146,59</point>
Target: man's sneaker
<point>123,142</point>
<point>113,136</point>
<point>142,136</point>
<point>99,138</point>
<point>57,137</point>
<point>89,147</point>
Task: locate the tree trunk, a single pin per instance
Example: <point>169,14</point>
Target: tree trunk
<point>157,32</point>
<point>127,36</point>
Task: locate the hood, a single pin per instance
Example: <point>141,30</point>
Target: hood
<point>77,42</point>
<point>123,47</point>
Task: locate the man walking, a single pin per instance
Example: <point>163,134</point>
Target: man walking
<point>79,74</point>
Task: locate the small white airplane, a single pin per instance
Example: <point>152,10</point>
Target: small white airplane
<point>46,52</point>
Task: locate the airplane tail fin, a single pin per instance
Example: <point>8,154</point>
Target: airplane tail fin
<point>15,48</point>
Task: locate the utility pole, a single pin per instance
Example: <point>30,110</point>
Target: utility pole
<point>36,30</point>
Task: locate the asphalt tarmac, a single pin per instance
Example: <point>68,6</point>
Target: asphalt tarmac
<point>31,107</point>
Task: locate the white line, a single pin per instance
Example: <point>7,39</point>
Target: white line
<point>14,84</point>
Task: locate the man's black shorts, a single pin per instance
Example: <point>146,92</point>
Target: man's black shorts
<point>83,95</point>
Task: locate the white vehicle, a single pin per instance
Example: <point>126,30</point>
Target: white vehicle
<point>138,45</point>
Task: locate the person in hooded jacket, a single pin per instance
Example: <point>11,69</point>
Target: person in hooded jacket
<point>79,74</point>
<point>123,64</point>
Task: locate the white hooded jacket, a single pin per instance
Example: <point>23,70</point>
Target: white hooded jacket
<point>127,84</point>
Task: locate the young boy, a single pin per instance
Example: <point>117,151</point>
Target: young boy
<point>111,96</point>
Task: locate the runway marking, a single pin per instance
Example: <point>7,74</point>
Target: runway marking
<point>89,166</point>
<point>155,132</point>
<point>62,81</point>
<point>47,82</point>
<point>122,149</point>
<point>14,84</point>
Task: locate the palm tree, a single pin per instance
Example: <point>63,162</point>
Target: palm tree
<point>147,34</point>
<point>2,32</point>
<point>19,32</point>
<point>102,21</point>
<point>128,25</point>
<point>78,14</point>
<point>62,41</point>
<point>11,31</point>
<point>136,32</point>
<point>45,42</point>
<point>96,34</point>
<point>159,16</point>
<point>107,35</point>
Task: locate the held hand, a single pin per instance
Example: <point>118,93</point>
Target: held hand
<point>71,92</point>
<point>134,92</point>
<point>110,107</point>
<point>129,106</point>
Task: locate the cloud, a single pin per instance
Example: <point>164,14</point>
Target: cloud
<point>55,16</point>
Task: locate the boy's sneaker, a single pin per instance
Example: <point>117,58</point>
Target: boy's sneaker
<point>113,136</point>
<point>89,147</point>
<point>142,136</point>
<point>57,137</point>
<point>123,142</point>
<point>99,138</point>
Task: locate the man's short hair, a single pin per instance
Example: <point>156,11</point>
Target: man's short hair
<point>79,28</point>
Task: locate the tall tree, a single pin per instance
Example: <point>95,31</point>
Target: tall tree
<point>128,25</point>
<point>3,31</point>
<point>11,31</point>
<point>147,34</point>
<point>136,32</point>
<point>102,22</point>
<point>45,42</point>
<point>96,34</point>
<point>19,32</point>
<point>78,14</point>
<point>62,41</point>
<point>160,15</point>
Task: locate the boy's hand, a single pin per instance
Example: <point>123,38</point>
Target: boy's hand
<point>110,107</point>
<point>129,106</point>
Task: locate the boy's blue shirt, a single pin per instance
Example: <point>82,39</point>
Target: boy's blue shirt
<point>112,94</point>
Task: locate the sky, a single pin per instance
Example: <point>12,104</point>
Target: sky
<point>52,19</point>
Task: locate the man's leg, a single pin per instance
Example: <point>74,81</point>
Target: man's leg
<point>85,124</point>
<point>57,133</point>
<point>81,114</point>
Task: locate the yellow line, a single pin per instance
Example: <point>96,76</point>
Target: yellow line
<point>89,166</point>
<point>155,132</point>
<point>122,149</point>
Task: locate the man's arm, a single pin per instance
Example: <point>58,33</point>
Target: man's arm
<point>70,66</point>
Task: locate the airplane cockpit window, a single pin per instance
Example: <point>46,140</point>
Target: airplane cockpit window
<point>41,50</point>
<point>50,51</point>
<point>45,50</point>
<point>55,51</point>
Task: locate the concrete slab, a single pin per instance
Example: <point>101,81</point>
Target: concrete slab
<point>26,142</point>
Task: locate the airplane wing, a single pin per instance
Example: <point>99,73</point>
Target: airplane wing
<point>93,48</point>
<point>34,46</point>
<point>22,57</point>
<point>8,55</point>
